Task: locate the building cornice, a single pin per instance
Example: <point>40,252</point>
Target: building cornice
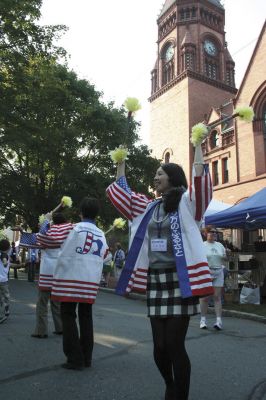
<point>194,75</point>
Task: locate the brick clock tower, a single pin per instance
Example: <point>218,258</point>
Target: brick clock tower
<point>193,74</point>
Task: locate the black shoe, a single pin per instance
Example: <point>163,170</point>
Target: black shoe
<point>68,365</point>
<point>3,319</point>
<point>58,333</point>
<point>39,336</point>
<point>7,312</point>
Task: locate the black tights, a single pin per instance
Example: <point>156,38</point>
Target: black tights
<point>170,353</point>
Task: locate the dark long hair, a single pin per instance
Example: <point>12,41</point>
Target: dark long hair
<point>178,180</point>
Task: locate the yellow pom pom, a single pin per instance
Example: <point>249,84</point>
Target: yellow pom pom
<point>119,223</point>
<point>199,132</point>
<point>118,155</point>
<point>41,219</point>
<point>132,104</point>
<point>245,113</point>
<point>67,201</point>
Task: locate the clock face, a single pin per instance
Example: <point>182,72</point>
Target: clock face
<point>210,47</point>
<point>169,53</point>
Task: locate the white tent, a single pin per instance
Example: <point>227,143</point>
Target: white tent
<point>216,206</point>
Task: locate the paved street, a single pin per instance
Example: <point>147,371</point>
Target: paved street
<point>227,365</point>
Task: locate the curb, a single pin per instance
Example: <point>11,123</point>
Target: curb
<point>226,313</point>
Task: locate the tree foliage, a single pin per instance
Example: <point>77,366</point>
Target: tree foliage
<point>55,132</point>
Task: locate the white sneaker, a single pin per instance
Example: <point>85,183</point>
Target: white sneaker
<point>218,326</point>
<point>203,324</point>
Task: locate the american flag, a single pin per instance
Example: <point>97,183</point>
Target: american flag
<point>128,203</point>
<point>201,193</point>
<point>53,238</point>
<point>29,240</point>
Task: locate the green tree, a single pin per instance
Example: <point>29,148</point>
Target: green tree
<point>55,132</point>
<point>56,141</point>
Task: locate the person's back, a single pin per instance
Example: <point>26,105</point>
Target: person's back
<point>76,281</point>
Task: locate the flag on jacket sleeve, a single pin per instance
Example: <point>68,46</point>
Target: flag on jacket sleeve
<point>200,193</point>
<point>54,236</point>
<point>128,203</point>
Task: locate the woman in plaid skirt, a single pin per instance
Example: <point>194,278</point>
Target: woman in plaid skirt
<point>166,257</point>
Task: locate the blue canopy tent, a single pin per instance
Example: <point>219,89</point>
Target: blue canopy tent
<point>250,214</point>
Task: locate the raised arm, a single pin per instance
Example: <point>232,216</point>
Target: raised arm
<point>130,204</point>
<point>52,236</point>
<point>199,194</point>
<point>121,170</point>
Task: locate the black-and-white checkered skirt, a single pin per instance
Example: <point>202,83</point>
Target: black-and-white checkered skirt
<point>164,297</point>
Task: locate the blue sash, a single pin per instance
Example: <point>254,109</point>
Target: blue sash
<point>179,253</point>
<point>134,251</point>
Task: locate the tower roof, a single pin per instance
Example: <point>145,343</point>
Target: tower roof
<point>169,3</point>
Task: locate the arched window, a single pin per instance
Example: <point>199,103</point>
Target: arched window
<point>167,158</point>
<point>168,63</point>
<point>189,61</point>
<point>153,81</point>
<point>214,139</point>
<point>211,58</point>
<point>230,74</point>
<point>211,69</point>
<point>264,122</point>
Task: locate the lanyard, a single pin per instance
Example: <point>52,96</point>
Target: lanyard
<point>159,222</point>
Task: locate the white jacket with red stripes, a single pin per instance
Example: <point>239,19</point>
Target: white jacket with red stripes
<point>191,209</point>
<point>79,266</point>
<point>50,243</point>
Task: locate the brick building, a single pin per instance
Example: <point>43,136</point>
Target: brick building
<point>193,81</point>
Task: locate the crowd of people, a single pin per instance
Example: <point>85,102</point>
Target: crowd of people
<point>167,258</point>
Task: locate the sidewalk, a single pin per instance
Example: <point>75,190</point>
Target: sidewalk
<point>136,296</point>
<point>226,312</point>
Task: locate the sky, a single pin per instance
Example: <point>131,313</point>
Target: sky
<point>112,43</point>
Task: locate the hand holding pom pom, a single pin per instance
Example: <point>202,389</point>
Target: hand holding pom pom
<point>119,223</point>
<point>245,113</point>
<point>132,105</point>
<point>199,133</point>
<point>41,219</point>
<point>66,201</point>
<point>48,216</point>
<point>119,155</point>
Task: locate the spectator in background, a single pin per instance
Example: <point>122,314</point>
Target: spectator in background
<point>216,255</point>
<point>4,268</point>
<point>107,267</point>
<point>32,260</point>
<point>14,254</point>
<point>119,259</point>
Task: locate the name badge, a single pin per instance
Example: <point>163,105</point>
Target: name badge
<point>158,244</point>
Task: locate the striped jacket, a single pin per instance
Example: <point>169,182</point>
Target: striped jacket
<point>191,263</point>
<point>79,266</point>
<point>49,239</point>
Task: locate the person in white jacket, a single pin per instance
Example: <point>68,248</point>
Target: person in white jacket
<point>76,282</point>
<point>166,256</point>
